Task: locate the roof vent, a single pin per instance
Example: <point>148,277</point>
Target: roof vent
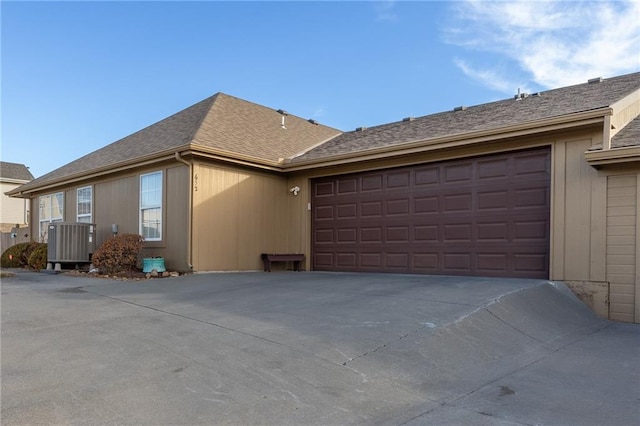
<point>460,108</point>
<point>408,119</point>
<point>360,129</point>
<point>519,95</point>
<point>594,80</point>
<point>283,112</point>
<point>312,121</point>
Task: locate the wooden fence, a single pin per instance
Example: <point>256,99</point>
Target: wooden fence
<point>16,236</point>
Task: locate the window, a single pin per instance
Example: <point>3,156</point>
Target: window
<point>151,206</point>
<point>51,210</point>
<point>84,204</point>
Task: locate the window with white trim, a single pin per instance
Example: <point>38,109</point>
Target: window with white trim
<point>84,203</point>
<point>151,206</point>
<point>51,209</point>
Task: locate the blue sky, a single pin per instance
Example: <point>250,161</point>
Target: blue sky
<point>77,76</point>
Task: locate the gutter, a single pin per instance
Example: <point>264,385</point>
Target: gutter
<point>189,164</point>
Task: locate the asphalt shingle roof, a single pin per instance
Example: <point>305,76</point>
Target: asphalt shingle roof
<point>242,129</point>
<point>628,136</point>
<point>15,171</point>
<point>219,122</point>
<point>494,115</point>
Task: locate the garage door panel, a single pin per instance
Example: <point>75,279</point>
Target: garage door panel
<point>371,260</point>
<point>346,259</point>
<point>323,260</point>
<point>426,262</point>
<point>427,176</point>
<point>530,262</point>
<point>324,236</point>
<point>398,207</point>
<point>397,234</point>
<point>492,262</point>
<point>531,166</point>
<point>324,213</point>
<point>324,189</point>
<point>493,169</point>
<point>347,186</point>
<point>458,173</point>
<point>371,209</point>
<point>457,262</point>
<point>482,216</point>
<point>371,183</point>
<point>347,211</point>
<point>492,232</point>
<point>531,197</point>
<point>426,233</point>
<point>458,232</point>
<point>493,200</point>
<point>400,180</point>
<point>426,205</point>
<point>346,235</point>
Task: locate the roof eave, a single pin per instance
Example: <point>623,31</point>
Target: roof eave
<point>235,158</point>
<point>592,117</point>
<point>626,154</point>
<point>101,171</point>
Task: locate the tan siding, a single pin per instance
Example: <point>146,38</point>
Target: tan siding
<point>70,214</point>
<point>116,202</point>
<point>176,215</point>
<point>237,215</point>
<point>13,210</point>
<point>578,215</point>
<point>621,256</point>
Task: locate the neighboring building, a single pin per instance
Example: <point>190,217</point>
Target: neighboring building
<point>14,211</point>
<point>544,185</point>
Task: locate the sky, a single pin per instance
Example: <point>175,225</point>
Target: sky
<point>77,76</point>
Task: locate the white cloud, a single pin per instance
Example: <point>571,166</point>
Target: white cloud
<point>492,78</point>
<point>385,10</point>
<point>556,43</point>
<point>319,112</point>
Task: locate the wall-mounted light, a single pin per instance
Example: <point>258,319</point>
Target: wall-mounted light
<point>114,229</point>
<point>295,190</point>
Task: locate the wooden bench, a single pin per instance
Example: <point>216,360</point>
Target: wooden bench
<point>268,258</point>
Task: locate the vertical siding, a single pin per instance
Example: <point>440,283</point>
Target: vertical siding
<point>622,219</point>
<point>116,202</point>
<point>177,211</point>
<point>237,215</point>
<point>578,215</point>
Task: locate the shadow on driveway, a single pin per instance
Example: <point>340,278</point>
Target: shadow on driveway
<point>311,348</point>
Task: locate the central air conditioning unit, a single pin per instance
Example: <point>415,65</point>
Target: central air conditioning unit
<point>70,243</point>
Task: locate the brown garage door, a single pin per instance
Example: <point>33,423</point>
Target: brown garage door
<point>486,216</point>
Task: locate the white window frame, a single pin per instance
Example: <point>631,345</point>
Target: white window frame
<point>152,206</point>
<point>81,216</point>
<point>45,219</point>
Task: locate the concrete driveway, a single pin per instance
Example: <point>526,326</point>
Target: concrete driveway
<point>311,348</point>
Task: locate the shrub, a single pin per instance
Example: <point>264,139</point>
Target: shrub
<point>118,254</point>
<point>17,255</point>
<point>38,257</point>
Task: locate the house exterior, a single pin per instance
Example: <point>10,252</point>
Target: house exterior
<point>14,211</point>
<point>542,185</point>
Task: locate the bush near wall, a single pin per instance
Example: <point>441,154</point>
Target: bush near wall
<point>38,258</point>
<point>118,254</point>
<point>17,256</point>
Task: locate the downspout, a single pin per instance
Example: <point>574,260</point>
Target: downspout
<point>190,215</point>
